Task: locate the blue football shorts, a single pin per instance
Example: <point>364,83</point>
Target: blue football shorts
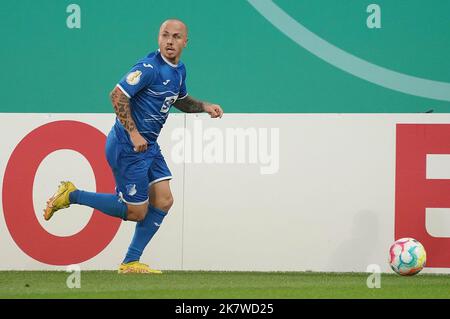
<point>135,172</point>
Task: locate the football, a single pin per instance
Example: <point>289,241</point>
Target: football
<point>407,256</point>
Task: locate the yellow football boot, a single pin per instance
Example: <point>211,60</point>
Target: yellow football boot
<point>59,200</point>
<point>135,267</point>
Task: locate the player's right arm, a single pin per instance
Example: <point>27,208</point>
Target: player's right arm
<point>139,77</point>
<point>121,104</point>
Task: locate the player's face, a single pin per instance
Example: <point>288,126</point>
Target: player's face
<point>172,40</point>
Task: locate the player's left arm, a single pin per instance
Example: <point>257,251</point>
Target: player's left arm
<point>190,105</point>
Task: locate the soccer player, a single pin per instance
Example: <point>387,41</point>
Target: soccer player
<point>141,100</point>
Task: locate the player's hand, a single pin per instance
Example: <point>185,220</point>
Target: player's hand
<point>139,143</point>
<point>213,110</point>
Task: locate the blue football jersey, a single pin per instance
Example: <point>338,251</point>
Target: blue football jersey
<point>152,85</point>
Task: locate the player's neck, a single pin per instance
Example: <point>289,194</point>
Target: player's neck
<point>172,62</point>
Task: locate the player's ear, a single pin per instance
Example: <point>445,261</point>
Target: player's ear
<point>186,42</point>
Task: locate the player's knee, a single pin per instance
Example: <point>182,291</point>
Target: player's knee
<point>140,216</point>
<point>137,212</point>
<point>168,203</point>
<point>164,203</point>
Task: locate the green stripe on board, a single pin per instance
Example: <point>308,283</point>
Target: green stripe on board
<point>235,57</point>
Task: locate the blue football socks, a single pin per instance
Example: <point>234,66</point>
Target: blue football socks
<point>143,233</point>
<point>109,204</point>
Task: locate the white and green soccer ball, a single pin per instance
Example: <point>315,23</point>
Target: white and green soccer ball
<point>407,256</point>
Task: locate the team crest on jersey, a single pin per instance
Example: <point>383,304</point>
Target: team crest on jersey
<point>168,103</point>
<point>131,189</point>
<point>134,77</point>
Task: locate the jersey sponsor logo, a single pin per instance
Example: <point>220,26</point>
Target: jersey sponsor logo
<point>166,82</point>
<point>147,65</point>
<point>134,77</point>
<point>168,103</point>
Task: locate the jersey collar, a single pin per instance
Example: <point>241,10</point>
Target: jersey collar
<point>167,61</point>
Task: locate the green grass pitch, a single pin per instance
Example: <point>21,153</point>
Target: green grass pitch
<point>220,285</point>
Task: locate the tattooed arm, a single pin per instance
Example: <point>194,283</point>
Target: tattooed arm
<point>121,105</point>
<point>191,105</point>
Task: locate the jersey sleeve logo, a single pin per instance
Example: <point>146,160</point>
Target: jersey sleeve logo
<point>134,77</point>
